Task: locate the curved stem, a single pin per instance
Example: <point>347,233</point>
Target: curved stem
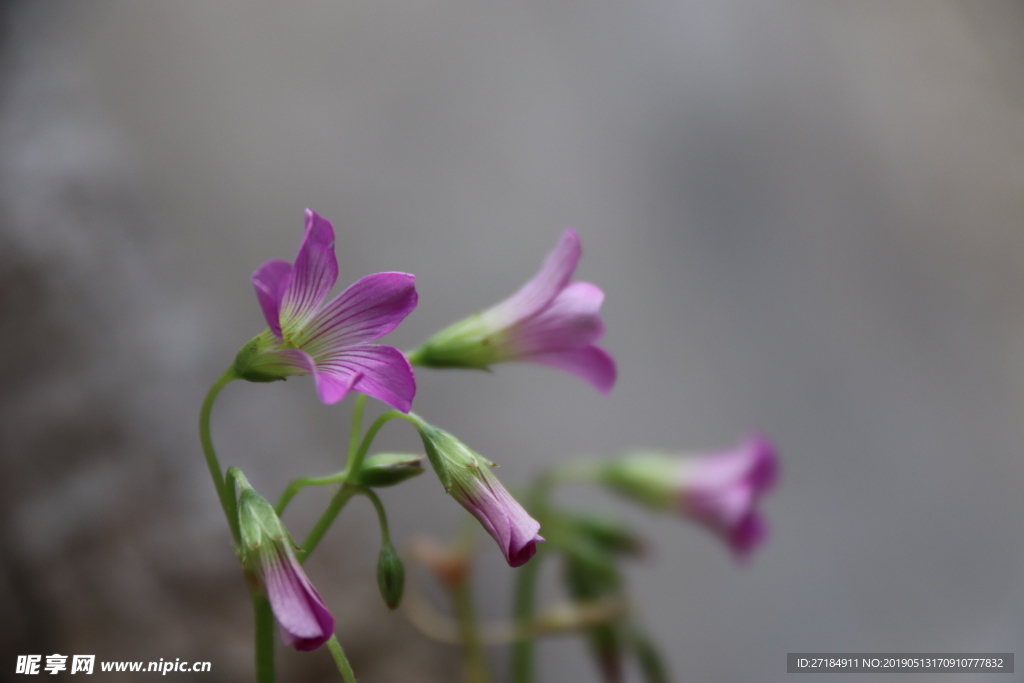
<point>264,638</point>
<point>385,534</point>
<point>226,500</point>
<point>341,660</point>
<point>347,490</point>
<point>296,485</point>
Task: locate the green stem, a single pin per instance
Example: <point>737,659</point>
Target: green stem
<point>226,499</point>
<point>469,633</point>
<point>385,535</point>
<point>357,426</point>
<point>296,485</point>
<point>341,660</point>
<point>326,519</point>
<point>264,638</point>
<point>524,612</point>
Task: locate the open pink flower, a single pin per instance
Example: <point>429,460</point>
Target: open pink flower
<point>330,340</point>
<point>718,490</point>
<point>721,491</point>
<point>549,321</point>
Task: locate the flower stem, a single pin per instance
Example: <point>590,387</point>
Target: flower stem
<point>264,638</point>
<point>385,535</point>
<point>326,519</point>
<point>524,609</point>
<point>296,485</point>
<point>357,426</point>
<point>227,501</point>
<point>469,633</point>
<point>341,660</point>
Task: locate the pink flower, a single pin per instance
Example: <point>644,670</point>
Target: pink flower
<point>718,490</point>
<point>301,614</point>
<point>267,553</point>
<point>330,341</point>
<point>467,477</point>
<point>549,321</point>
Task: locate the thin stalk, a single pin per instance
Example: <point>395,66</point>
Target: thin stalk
<point>385,535</point>
<point>341,660</point>
<point>296,485</point>
<point>469,634</point>
<point>357,427</point>
<point>227,501</point>
<point>524,613</point>
<point>326,519</point>
<point>264,638</point>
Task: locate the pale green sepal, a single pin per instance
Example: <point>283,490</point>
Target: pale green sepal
<point>253,364</point>
<point>470,343</point>
<point>645,476</point>
<point>388,469</point>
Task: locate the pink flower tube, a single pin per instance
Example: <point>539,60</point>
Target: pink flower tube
<point>550,320</point>
<point>467,477</point>
<point>719,490</point>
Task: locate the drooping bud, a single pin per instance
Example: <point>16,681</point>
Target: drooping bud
<point>268,553</point>
<point>390,575</point>
<point>388,469</point>
<point>466,476</point>
<point>718,490</point>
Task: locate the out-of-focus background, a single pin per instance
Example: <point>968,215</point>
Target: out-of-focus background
<point>807,218</point>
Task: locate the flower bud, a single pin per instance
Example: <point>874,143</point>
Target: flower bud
<point>388,469</point>
<point>718,490</point>
<point>268,553</point>
<point>467,477</point>
<point>390,575</point>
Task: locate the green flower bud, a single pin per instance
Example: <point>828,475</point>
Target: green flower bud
<point>390,575</point>
<point>388,469</point>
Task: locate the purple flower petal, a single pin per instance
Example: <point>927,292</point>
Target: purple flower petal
<point>590,363</point>
<point>383,372</point>
<point>305,622</point>
<point>271,281</point>
<point>316,271</point>
<point>546,284</point>
<point>571,320</point>
<point>502,517</point>
<point>367,310</point>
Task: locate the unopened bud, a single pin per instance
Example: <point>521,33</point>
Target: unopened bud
<point>388,469</point>
<point>390,575</point>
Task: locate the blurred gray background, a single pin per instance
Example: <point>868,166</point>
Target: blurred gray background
<point>807,218</point>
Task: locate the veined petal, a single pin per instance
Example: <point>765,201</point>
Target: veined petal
<point>315,272</point>
<point>502,517</point>
<point>379,371</point>
<point>590,363</point>
<point>271,281</point>
<point>367,310</point>
<point>554,275</point>
<point>300,611</point>
<point>572,320</point>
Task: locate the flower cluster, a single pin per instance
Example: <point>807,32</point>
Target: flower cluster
<point>552,321</point>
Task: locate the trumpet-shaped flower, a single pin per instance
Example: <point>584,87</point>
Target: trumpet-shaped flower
<point>329,341</point>
<point>549,321</point>
<point>718,490</point>
<point>467,477</point>
<point>267,551</point>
